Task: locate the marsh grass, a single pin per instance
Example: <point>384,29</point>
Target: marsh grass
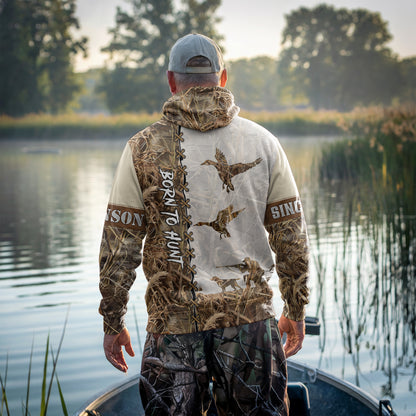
<point>47,382</point>
<point>38,126</point>
<point>374,177</point>
<point>299,122</point>
<point>305,122</point>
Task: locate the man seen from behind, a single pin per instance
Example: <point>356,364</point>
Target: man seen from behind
<point>211,195</point>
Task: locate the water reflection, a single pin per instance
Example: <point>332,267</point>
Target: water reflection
<point>34,218</point>
<point>44,212</point>
<point>367,263</point>
<point>50,201</point>
<point>52,211</point>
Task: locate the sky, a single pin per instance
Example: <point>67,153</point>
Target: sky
<point>250,27</point>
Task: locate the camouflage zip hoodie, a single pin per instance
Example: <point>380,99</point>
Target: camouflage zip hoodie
<point>210,194</point>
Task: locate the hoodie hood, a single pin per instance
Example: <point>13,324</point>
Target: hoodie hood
<point>201,108</point>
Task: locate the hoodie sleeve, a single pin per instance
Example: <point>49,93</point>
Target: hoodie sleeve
<point>121,244</point>
<point>285,223</point>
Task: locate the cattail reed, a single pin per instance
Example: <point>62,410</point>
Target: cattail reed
<point>373,254</point>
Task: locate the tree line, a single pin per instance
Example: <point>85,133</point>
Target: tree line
<point>331,58</point>
<point>36,52</point>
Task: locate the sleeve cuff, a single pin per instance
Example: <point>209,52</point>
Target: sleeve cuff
<point>110,330</point>
<point>295,314</point>
<point>111,327</point>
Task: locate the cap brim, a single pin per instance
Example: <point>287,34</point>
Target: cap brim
<point>199,70</point>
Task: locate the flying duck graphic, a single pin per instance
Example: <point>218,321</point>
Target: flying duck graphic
<point>223,218</point>
<point>226,172</point>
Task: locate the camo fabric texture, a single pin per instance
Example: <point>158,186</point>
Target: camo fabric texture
<point>231,371</point>
<point>200,187</point>
<point>292,257</point>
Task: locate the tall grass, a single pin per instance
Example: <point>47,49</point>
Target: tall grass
<point>47,382</point>
<point>300,122</point>
<point>306,122</point>
<point>373,175</point>
<point>38,126</point>
<point>380,156</point>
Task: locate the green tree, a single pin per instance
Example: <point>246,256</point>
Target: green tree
<point>140,46</point>
<point>338,57</point>
<point>254,83</point>
<point>88,100</point>
<point>58,48</point>
<point>408,67</point>
<point>36,50</point>
<point>19,92</point>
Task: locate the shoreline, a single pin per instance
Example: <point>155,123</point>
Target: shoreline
<point>99,126</point>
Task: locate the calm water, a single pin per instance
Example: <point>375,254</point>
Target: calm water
<point>52,211</point>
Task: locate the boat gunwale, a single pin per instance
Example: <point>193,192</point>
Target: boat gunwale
<point>106,394</point>
<point>345,386</point>
<point>311,373</point>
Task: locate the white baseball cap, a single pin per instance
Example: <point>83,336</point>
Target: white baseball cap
<point>193,45</point>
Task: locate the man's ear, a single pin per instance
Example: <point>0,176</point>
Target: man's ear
<point>223,79</point>
<point>171,82</point>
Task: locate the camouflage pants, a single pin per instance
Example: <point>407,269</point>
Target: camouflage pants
<point>230,371</point>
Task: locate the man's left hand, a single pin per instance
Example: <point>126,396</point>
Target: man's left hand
<point>114,352</point>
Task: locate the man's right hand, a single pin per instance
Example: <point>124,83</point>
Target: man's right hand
<point>114,352</point>
<point>295,334</point>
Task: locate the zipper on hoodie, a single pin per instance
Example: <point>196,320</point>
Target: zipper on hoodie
<point>187,219</point>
